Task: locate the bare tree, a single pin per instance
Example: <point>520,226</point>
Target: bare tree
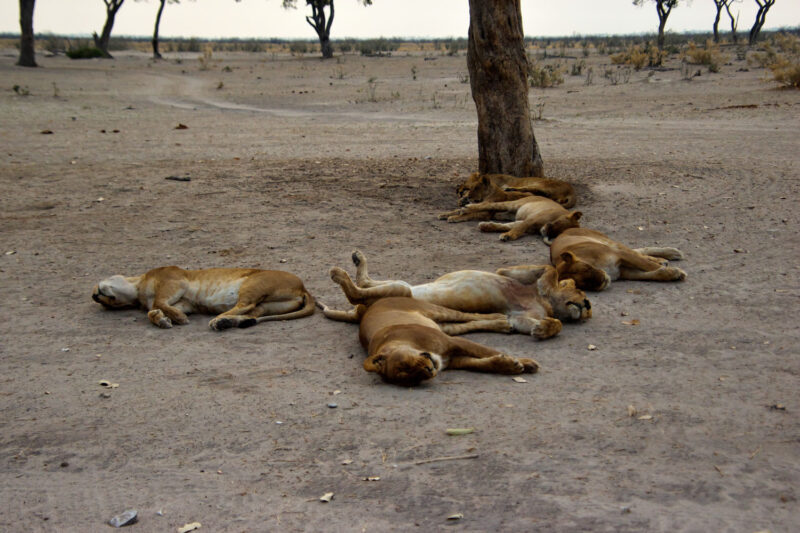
<point>498,75</point>
<point>761,18</point>
<point>734,20</point>
<point>320,21</point>
<point>101,42</point>
<point>27,54</point>
<point>719,4</point>
<point>161,3</point>
<point>663,8</point>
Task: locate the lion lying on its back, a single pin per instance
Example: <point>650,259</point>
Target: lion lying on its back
<point>243,296</point>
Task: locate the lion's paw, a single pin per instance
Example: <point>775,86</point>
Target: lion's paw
<point>221,323</point>
<point>505,237</point>
<point>505,364</point>
<point>681,274</point>
<point>529,365</point>
<point>546,328</point>
<point>158,318</point>
<point>358,258</point>
<point>338,275</point>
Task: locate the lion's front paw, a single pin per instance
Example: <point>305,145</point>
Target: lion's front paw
<point>505,364</point>
<point>158,318</point>
<point>505,237</point>
<point>529,365</point>
<point>546,328</point>
<point>221,323</point>
<point>681,274</point>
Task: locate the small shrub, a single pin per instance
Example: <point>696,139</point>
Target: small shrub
<point>782,57</point>
<point>709,55</point>
<point>22,91</point>
<point>544,76</point>
<point>84,52</point>
<point>463,77</point>
<point>205,59</point>
<point>577,68</point>
<point>638,57</point>
<point>298,47</point>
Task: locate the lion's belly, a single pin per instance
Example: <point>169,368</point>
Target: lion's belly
<point>471,292</point>
<point>212,297</point>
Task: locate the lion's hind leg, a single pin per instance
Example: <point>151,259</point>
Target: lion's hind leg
<point>363,280</point>
<point>358,295</point>
<point>671,254</point>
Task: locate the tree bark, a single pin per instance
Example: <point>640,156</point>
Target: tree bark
<point>27,53</point>
<point>156,53</point>
<point>498,71</point>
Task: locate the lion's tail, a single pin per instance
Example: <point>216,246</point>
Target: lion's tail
<point>306,310</point>
<point>673,254</point>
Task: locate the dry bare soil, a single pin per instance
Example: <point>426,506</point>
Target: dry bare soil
<point>294,162</point>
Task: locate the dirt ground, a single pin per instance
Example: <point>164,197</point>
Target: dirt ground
<point>295,162</point>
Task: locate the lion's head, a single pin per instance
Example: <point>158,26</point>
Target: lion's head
<point>569,303</point>
<point>553,229</point>
<point>403,364</point>
<point>475,189</point>
<point>116,292</point>
<point>586,276</point>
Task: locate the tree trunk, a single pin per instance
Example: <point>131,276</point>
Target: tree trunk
<point>498,74</point>
<point>27,54</point>
<point>156,53</point>
<point>734,23</point>
<point>761,18</point>
<point>323,28</point>
<point>716,21</point>
<point>101,42</point>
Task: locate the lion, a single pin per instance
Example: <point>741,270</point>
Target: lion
<point>479,187</point>
<point>531,297</point>
<point>533,214</point>
<point>409,341</point>
<point>243,296</point>
<point>594,260</point>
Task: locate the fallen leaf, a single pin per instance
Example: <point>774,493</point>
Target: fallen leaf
<point>646,417</point>
<point>107,384</point>
<point>181,127</point>
<point>740,250</point>
<point>327,497</point>
<point>632,410</point>
<point>519,379</point>
<point>456,516</point>
<point>634,322</point>
<point>460,431</point>
<point>777,407</point>
<point>190,527</point>
<point>372,478</point>
<point>11,252</point>
<point>347,462</point>
<point>591,347</point>
<point>46,132</point>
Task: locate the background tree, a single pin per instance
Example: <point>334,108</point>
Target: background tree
<point>663,8</point>
<point>161,3</point>
<point>761,18</point>
<point>101,42</point>
<point>321,22</point>
<point>498,76</point>
<point>720,4</point>
<point>734,20</point>
<point>27,54</point>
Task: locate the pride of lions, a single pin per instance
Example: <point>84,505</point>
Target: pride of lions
<point>410,331</point>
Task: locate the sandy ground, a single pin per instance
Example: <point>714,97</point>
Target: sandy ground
<point>294,163</point>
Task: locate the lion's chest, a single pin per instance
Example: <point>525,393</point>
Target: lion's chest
<point>211,297</point>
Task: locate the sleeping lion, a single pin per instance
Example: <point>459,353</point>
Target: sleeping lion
<point>243,297</point>
<point>479,187</point>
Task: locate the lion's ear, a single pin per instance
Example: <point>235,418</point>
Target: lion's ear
<point>374,363</point>
<point>548,280</point>
<point>567,283</point>
<point>576,215</point>
<point>568,258</point>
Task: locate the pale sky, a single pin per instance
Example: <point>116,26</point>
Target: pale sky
<point>386,18</point>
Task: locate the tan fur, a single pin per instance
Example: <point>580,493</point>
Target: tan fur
<point>531,297</point>
<point>533,214</point>
<point>594,260</point>
<point>478,187</point>
<point>409,341</point>
<point>242,296</point>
